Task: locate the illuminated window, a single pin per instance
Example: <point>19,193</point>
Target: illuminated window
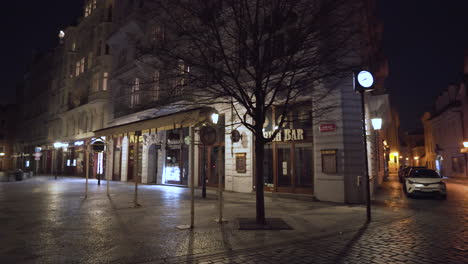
<point>94,4</point>
<point>74,162</point>
<point>82,65</point>
<point>68,163</point>
<point>77,68</point>
<point>105,78</point>
<point>27,163</point>
<point>74,46</point>
<point>99,165</point>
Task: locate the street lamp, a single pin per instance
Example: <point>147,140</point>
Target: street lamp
<point>57,145</point>
<point>191,141</point>
<point>363,81</point>
<point>376,123</point>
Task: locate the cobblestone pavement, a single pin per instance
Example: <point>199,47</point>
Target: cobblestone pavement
<point>50,221</point>
<point>435,233</point>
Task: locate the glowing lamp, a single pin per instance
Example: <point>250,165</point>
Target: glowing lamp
<point>465,144</point>
<point>2,154</point>
<point>214,118</point>
<point>61,34</point>
<point>376,123</point>
<point>416,158</point>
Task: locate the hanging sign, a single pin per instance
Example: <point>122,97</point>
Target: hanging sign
<point>98,146</point>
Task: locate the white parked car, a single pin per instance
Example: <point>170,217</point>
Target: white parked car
<point>424,181</point>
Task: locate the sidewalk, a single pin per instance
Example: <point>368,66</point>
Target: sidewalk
<point>110,229</point>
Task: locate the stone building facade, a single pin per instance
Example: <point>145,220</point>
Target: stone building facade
<point>101,87</point>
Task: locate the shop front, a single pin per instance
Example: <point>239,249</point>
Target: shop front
<point>288,159</point>
<point>159,154</point>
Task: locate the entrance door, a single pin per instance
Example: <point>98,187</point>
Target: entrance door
<point>153,163</point>
<point>212,165</point>
<point>131,162</point>
<point>288,167</point>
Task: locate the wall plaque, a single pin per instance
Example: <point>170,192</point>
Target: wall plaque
<point>241,162</point>
<point>329,161</point>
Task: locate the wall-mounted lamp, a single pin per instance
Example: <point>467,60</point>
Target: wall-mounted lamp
<point>214,118</point>
<point>465,144</point>
<point>376,123</point>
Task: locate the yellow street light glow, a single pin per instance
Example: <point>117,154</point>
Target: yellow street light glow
<point>2,154</point>
<point>395,154</point>
<point>416,158</point>
<point>401,157</point>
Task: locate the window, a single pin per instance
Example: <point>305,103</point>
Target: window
<point>109,14</point>
<point>90,60</point>
<point>73,46</point>
<point>183,70</point>
<point>95,83</point>
<point>77,68</point>
<point>135,96</point>
<point>105,78</point>
<point>82,66</point>
<point>156,87</point>
<point>70,70</point>
<point>157,34</point>
<point>98,50</point>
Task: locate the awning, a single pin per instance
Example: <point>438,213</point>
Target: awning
<point>180,119</point>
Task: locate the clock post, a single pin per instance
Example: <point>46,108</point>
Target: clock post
<point>363,82</point>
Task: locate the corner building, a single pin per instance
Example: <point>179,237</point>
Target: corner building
<point>148,131</point>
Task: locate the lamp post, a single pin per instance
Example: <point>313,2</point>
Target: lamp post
<point>363,81</point>
<point>377,125</point>
<point>191,140</point>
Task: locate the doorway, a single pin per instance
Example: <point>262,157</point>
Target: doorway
<point>211,159</point>
<point>153,161</point>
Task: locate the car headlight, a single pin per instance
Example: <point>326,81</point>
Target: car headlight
<point>418,185</point>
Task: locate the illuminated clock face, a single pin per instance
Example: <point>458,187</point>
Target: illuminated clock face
<point>365,79</point>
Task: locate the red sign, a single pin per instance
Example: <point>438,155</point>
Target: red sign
<point>327,128</point>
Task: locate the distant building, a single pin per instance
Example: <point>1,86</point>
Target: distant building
<point>8,115</point>
<point>445,130</point>
<point>66,95</point>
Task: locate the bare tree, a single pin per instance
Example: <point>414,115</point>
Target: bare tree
<point>254,55</point>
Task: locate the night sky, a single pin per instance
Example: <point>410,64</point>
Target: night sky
<point>424,42</point>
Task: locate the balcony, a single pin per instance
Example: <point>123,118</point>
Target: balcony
<point>143,100</point>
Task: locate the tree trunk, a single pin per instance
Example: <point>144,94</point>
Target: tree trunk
<point>259,152</point>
